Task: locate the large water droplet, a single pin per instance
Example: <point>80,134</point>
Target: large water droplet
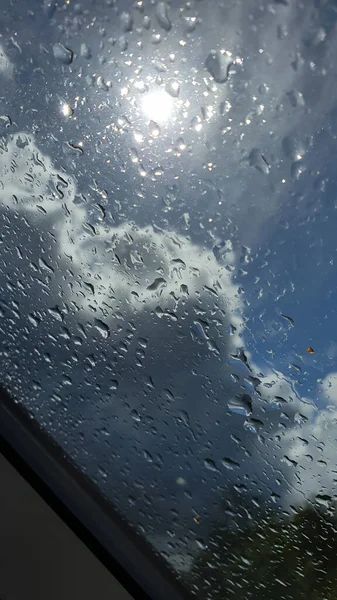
<point>199,329</point>
<point>293,148</point>
<point>158,284</point>
<point>162,16</point>
<point>258,161</point>
<point>56,313</point>
<point>210,465</point>
<point>230,464</point>
<point>102,328</point>
<point>154,129</point>
<point>253,425</point>
<point>323,500</point>
<point>126,21</point>
<point>85,51</point>
<point>173,88</point>
<point>218,65</point>
<point>63,54</point>
<point>241,405</point>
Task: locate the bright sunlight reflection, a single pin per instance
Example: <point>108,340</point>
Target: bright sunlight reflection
<point>157,106</point>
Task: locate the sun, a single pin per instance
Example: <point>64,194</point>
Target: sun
<point>157,106</point>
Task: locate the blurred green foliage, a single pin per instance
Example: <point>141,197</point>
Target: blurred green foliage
<point>274,559</point>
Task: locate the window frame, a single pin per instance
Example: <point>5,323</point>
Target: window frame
<point>78,502</point>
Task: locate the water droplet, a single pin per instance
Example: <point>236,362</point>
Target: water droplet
<point>298,63</point>
<point>253,425</point>
<point>297,168</point>
<point>218,65</point>
<point>303,441</point>
<point>85,51</point>
<point>154,129</point>
<point>201,544</point>
<point>288,461</point>
<point>199,329</point>
<point>241,356</point>
<point>63,54</point>
<point>300,419</point>
<point>36,386</point>
<point>123,43</point>
<point>180,146</point>
<point>210,465</point>
<point>66,110</point>
<point>126,21</point>
<point>196,124</point>
<point>293,148</point>
<point>173,88</point>
<point>258,161</point>
<point>323,500</point>
<point>44,265</point>
<point>34,320</point>
<point>56,313</point>
<point>296,367</point>
<point>190,23</point>
<point>142,342</point>
<point>279,401</point>
<point>225,107</point>
<point>156,39</point>
<point>162,16</point>
<point>158,284</point>
<point>148,456</point>
<point>241,405</point>
<point>102,84</point>
<point>296,98</point>
<point>289,319</point>
<point>146,22</point>
<point>102,473</point>
<point>5,122</point>
<point>49,7</point>
<point>135,415</point>
<point>230,464</point>
<point>102,328</point>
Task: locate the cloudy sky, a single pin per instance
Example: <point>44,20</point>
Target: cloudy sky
<point>167,188</point>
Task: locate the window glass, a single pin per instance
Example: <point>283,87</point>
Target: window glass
<point>168,271</point>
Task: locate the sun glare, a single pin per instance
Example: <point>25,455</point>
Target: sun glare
<point>157,106</point>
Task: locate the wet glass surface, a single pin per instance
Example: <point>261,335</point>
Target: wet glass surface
<point>168,271</point>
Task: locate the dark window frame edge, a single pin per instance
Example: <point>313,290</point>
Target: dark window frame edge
<point>74,498</point>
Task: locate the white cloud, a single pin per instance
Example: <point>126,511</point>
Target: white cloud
<point>125,265</point>
<point>312,446</point>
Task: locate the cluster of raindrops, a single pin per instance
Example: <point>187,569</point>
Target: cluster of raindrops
<point>113,264</point>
